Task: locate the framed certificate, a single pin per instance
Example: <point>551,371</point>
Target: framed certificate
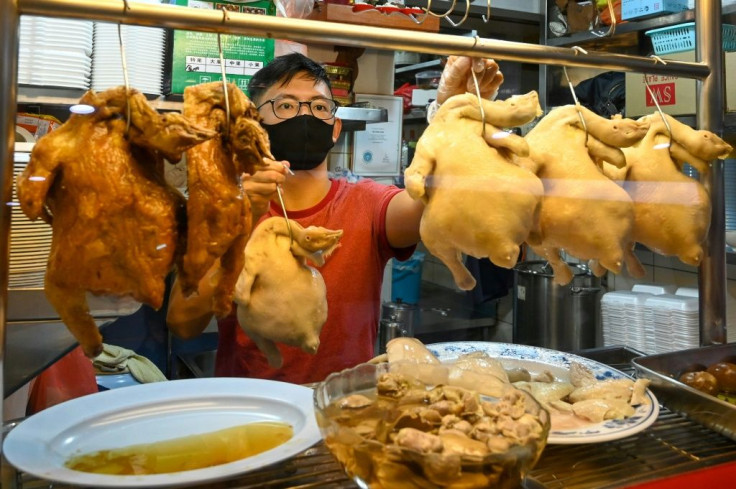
<point>377,149</point>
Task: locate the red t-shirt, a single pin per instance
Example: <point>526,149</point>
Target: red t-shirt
<point>353,276</point>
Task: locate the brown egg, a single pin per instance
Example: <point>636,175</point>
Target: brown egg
<point>725,373</point>
<point>702,380</point>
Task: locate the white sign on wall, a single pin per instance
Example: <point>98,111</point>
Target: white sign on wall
<point>377,149</point>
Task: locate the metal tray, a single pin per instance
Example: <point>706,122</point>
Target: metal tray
<point>663,369</point>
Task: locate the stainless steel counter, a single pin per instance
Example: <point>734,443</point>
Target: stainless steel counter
<point>672,445</point>
<point>36,338</point>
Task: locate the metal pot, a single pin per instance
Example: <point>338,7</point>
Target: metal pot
<point>561,317</point>
<point>397,319</point>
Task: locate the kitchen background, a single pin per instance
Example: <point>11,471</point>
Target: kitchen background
<point>443,311</point>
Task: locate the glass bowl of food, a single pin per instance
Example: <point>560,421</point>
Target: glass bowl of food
<point>420,425</point>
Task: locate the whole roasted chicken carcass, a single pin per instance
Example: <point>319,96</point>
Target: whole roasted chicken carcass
<point>218,212</point>
<point>671,210</point>
<point>478,200</point>
<point>583,212</point>
<point>280,298</point>
<point>116,224</point>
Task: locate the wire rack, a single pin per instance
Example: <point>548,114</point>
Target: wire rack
<point>672,445</point>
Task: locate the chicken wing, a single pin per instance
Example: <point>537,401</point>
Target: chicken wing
<point>116,223</point>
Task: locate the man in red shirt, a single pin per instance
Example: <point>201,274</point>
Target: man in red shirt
<point>379,222</point>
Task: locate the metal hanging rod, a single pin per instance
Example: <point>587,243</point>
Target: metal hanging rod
<point>320,32</point>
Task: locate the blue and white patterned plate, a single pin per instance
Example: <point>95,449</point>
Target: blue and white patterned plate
<point>537,360</point>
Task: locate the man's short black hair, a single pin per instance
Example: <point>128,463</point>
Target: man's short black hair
<point>282,69</point>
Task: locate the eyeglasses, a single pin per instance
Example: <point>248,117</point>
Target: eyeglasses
<point>288,107</point>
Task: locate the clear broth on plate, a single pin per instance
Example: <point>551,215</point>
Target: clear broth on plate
<point>187,452</point>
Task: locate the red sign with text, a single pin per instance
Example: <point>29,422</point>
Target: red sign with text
<point>665,93</point>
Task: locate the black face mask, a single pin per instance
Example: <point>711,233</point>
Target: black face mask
<point>303,141</point>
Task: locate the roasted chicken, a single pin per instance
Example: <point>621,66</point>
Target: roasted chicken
<point>671,210</point>
<point>280,298</point>
<point>218,213</point>
<point>116,224</point>
<point>478,200</point>
<point>583,212</point>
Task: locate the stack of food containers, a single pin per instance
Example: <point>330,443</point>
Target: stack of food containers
<point>55,52</point>
<point>623,319</point>
<point>674,319</point>
<point>651,318</point>
<point>145,73</point>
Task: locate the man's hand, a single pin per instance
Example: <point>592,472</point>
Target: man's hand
<point>261,186</point>
<point>458,79</point>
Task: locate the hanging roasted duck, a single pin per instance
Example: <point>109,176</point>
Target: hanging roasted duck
<point>116,224</point>
<point>478,200</point>
<point>218,212</point>
<point>583,212</point>
<point>671,210</point>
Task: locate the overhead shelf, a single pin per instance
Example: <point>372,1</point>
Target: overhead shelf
<point>353,118</point>
<point>629,27</point>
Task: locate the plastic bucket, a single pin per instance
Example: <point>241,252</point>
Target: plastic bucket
<point>406,279</point>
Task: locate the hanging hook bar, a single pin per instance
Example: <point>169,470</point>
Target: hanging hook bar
<point>125,76</point>
<point>224,78</point>
<point>480,102</point>
<point>657,59</point>
<point>487,17</point>
<point>465,17</point>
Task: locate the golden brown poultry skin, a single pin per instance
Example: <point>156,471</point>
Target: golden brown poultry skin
<point>582,212</point>
<point>218,212</point>
<point>116,224</point>
<point>671,210</point>
<point>478,200</point>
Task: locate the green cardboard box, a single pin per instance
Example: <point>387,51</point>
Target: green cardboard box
<point>195,56</point>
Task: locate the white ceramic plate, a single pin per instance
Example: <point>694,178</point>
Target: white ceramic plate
<point>151,412</point>
<point>537,360</point>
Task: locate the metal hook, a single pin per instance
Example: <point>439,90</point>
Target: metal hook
<point>612,27</point>
<point>487,17</point>
<point>449,11</point>
<point>480,101</point>
<point>657,59</point>
<point>224,78</point>
<point>125,74</point>
<point>465,17</point>
<point>577,103</point>
<point>426,14</point>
